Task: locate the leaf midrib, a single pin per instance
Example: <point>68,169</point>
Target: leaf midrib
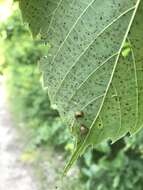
<point>125,37</point>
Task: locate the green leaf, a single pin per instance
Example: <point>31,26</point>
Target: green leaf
<point>38,13</point>
<point>94,65</point>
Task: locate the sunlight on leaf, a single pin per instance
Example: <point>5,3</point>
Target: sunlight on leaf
<point>5,9</point>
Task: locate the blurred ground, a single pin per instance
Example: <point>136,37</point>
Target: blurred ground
<point>43,173</point>
<point>13,173</point>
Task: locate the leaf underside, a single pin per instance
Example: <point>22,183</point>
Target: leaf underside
<point>94,64</point>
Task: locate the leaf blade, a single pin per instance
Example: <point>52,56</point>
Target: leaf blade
<point>84,35</point>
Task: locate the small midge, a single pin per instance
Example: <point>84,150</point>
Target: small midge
<point>79,114</point>
<point>83,130</point>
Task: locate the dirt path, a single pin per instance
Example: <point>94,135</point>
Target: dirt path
<point>14,175</point>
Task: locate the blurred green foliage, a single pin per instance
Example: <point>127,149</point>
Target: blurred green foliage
<point>107,167</point>
<point>118,166</point>
<point>29,102</point>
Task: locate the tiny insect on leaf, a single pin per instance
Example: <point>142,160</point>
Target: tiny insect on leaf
<point>79,114</point>
<point>83,130</point>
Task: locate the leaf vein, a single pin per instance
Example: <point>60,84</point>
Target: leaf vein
<point>98,35</point>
